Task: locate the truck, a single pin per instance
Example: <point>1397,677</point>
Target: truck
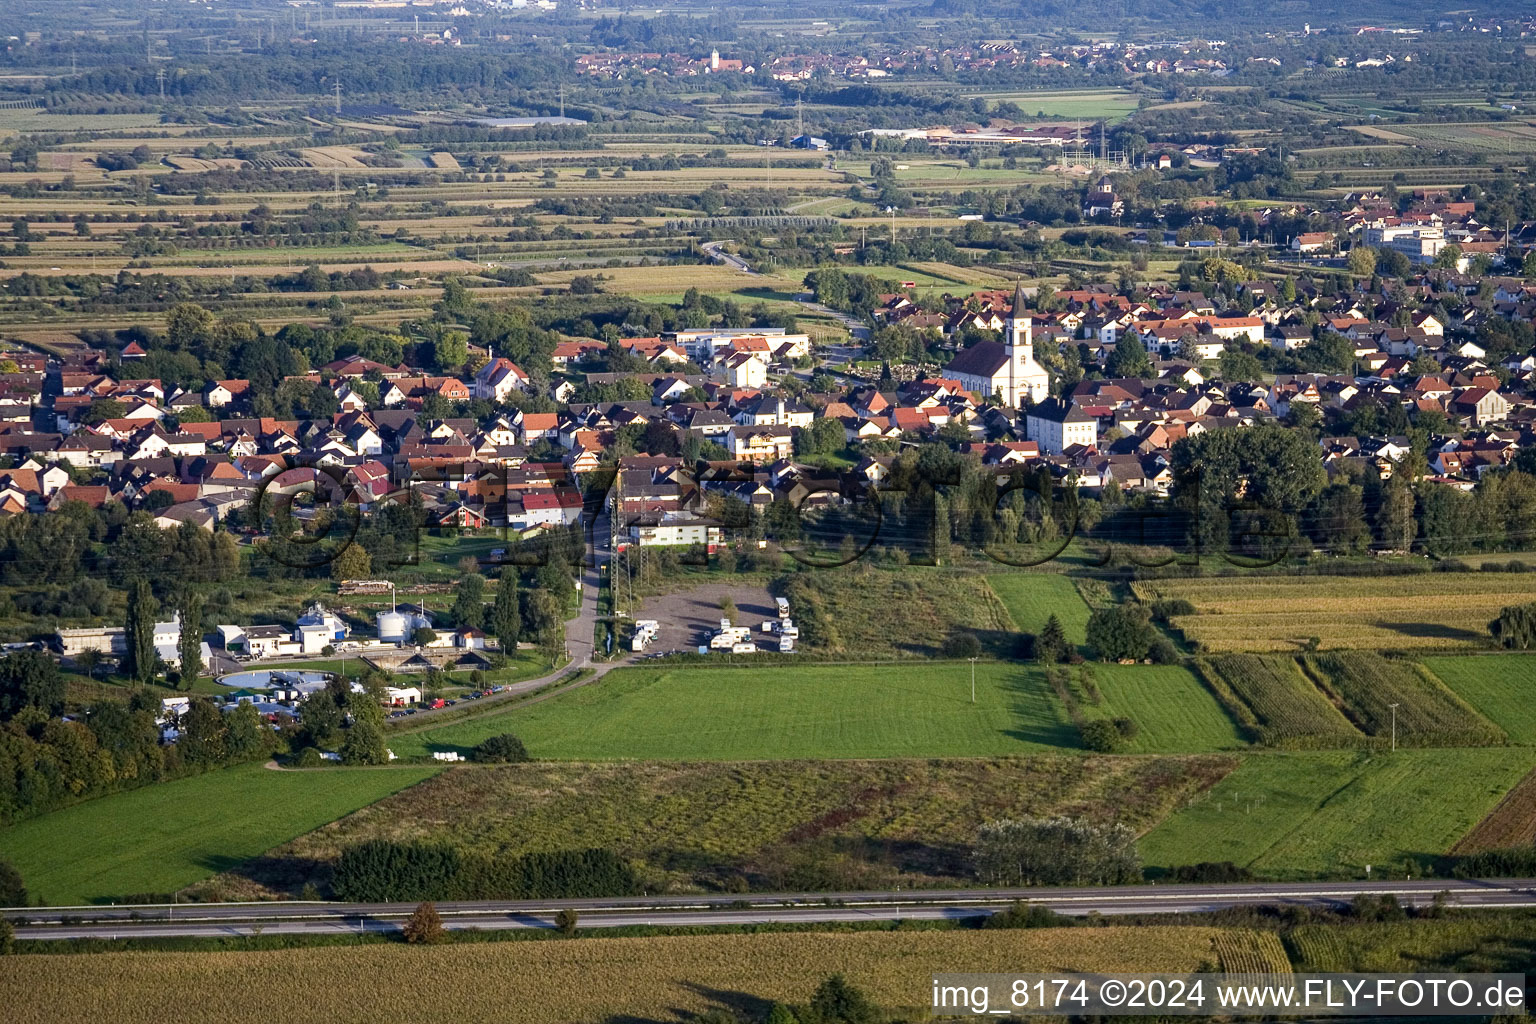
<point>439,703</point>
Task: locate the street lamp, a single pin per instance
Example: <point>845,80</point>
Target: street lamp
<point>973,680</point>
<point>1394,725</point>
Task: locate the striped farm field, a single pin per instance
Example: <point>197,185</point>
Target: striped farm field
<point>579,981</point>
<point>1393,697</point>
<point>1444,611</point>
<point>1172,711</point>
<point>1287,710</point>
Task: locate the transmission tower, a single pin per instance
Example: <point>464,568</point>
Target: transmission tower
<point>337,87</point>
<point>160,77</point>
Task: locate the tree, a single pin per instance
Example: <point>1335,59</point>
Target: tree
<point>1515,627</point>
<point>424,926</point>
<point>423,636</point>
<point>1051,645</point>
<point>1448,257</point>
<point>506,618</point>
<point>503,749</point>
<point>566,921</point>
<point>1119,632</point>
<point>451,350</point>
<point>189,644</point>
<point>7,937</point>
<point>364,742</point>
<point>30,679</point>
<point>247,735</point>
<point>352,563</point>
<point>12,892</point>
<point>837,1002</point>
<point>1129,359</point>
<point>139,662</point>
<point>203,734</point>
<point>469,602</point>
<point>728,609</point>
<point>1362,261</point>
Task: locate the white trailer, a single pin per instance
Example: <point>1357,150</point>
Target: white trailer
<point>783,603</point>
<point>744,648</point>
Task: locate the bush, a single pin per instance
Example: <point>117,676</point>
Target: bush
<point>12,892</point>
<point>1027,915</point>
<point>309,757</point>
<point>503,749</point>
<point>1162,651</point>
<point>1167,608</point>
<point>1100,736</point>
<point>424,926</point>
<point>566,921</point>
<point>1127,728</point>
<point>962,644</point>
<point>1510,862</point>
<point>1210,871</point>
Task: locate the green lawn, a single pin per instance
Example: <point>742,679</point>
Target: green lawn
<point>165,836</point>
<point>1174,713</point>
<point>1031,598</point>
<point>1501,686</point>
<point>804,711</point>
<point>1313,815</point>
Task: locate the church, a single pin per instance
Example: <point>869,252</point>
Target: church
<point>1007,369</point>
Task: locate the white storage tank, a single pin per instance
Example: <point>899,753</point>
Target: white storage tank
<point>393,627</point>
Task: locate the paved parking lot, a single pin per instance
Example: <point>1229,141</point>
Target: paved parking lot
<point>688,618</point>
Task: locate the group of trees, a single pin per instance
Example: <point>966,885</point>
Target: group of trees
<point>387,870</point>
<point>47,762</point>
<point>1056,851</point>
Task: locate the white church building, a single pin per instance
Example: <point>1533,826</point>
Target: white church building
<point>1008,368</point>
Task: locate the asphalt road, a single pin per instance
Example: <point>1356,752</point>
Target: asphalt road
<point>216,920</point>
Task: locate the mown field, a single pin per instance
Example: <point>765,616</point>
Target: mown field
<point>165,836</point>
<point>763,825</point>
<point>864,605</point>
<point>1281,705</point>
<point>1501,686</point>
<point>1391,697</point>
<point>580,981</point>
<point>1280,613</point>
<point>1171,709</point>
<point>1031,598</point>
<point>1329,814</point>
<point>810,711</point>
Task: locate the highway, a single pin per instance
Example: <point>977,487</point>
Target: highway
<point>233,919</point>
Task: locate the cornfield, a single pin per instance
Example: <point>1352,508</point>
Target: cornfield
<point>567,982</point>
<point>1426,715</point>
<point>1248,951</point>
<point>1288,710</point>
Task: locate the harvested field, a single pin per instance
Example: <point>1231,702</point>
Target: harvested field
<point>445,162</point>
<point>662,979</point>
<point>1280,613</point>
<point>1511,823</point>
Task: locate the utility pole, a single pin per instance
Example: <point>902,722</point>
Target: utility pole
<point>1394,725</point>
<point>973,680</point>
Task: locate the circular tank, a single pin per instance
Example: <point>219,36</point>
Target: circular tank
<point>392,626</point>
